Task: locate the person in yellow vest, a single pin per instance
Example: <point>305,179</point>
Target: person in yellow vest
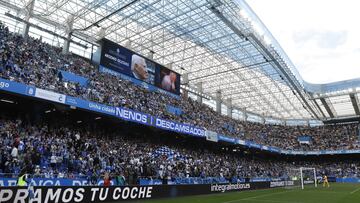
<point>325,181</point>
<point>22,178</point>
<point>22,181</point>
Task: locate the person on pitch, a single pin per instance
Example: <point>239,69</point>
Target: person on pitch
<point>325,181</point>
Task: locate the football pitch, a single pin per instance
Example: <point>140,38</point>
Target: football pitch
<point>338,192</point>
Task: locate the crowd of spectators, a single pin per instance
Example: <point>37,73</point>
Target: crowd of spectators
<point>64,151</point>
<point>36,63</point>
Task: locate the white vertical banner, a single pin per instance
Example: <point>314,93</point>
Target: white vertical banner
<point>51,96</point>
<point>211,136</point>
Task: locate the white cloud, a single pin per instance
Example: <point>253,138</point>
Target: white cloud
<point>321,37</point>
<point>324,39</point>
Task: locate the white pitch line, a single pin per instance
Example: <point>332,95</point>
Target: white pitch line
<point>352,192</point>
<point>324,191</point>
<point>253,197</point>
<point>276,201</point>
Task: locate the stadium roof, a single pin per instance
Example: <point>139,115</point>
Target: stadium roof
<point>220,44</point>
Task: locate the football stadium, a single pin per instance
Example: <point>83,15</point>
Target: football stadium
<point>169,101</point>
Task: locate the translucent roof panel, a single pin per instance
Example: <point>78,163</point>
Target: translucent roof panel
<point>342,105</point>
<point>220,44</point>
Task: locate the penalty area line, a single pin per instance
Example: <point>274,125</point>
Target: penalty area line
<point>275,201</point>
<point>257,196</point>
<point>356,190</point>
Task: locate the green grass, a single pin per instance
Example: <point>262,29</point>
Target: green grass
<point>337,193</point>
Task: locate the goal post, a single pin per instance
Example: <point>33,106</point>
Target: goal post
<point>302,176</point>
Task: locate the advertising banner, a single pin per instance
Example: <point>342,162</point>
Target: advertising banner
<point>6,182</point>
<point>282,183</point>
<point>346,180</point>
<point>74,194</point>
<point>86,194</point>
<point>16,87</point>
<point>179,127</point>
<point>226,139</point>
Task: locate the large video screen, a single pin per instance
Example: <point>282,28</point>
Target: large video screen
<point>125,61</point>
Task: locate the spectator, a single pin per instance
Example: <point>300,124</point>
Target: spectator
<point>107,180</point>
<point>14,153</point>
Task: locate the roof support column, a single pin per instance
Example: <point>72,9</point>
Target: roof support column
<point>185,82</point>
<point>128,44</point>
<point>218,101</point>
<point>229,107</point>
<point>101,34</point>
<point>245,115</point>
<point>169,65</point>
<point>29,9</point>
<point>200,89</point>
<point>150,54</point>
<point>263,119</point>
<point>69,29</point>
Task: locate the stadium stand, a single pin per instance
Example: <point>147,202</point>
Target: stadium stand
<point>41,65</point>
<point>62,150</point>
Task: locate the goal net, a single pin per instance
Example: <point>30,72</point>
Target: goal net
<point>299,177</point>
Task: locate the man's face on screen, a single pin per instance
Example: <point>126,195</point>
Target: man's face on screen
<point>141,71</point>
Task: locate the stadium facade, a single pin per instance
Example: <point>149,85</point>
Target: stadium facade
<point>72,68</point>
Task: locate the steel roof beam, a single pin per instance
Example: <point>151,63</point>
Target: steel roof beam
<point>286,74</point>
<point>229,70</point>
<point>242,35</point>
<point>321,111</point>
<point>44,30</point>
<point>327,107</point>
<point>105,17</point>
<point>355,103</point>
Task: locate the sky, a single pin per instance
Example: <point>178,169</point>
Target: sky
<point>321,37</point>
